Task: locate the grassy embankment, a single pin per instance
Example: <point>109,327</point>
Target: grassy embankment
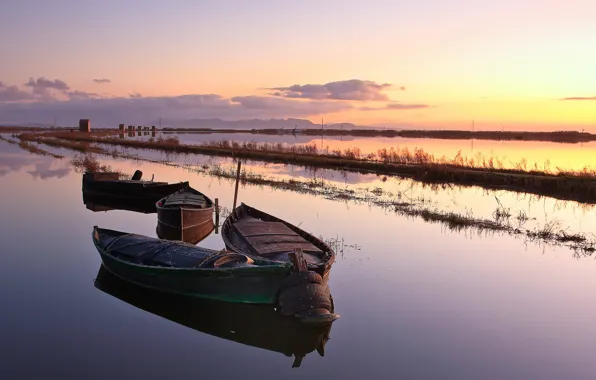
<point>488,173</point>
<point>555,136</point>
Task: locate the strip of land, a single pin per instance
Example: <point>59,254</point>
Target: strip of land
<point>419,165</point>
<point>572,137</point>
<point>557,136</point>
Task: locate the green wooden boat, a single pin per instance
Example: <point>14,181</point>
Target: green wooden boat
<point>259,326</point>
<point>182,268</point>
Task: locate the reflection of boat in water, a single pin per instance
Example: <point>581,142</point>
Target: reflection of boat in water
<point>185,215</point>
<point>102,183</point>
<point>253,325</point>
<point>98,203</point>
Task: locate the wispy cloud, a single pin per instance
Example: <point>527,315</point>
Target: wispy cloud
<point>395,106</point>
<point>42,84</point>
<point>102,80</point>
<point>353,89</point>
<point>580,98</point>
<point>13,94</point>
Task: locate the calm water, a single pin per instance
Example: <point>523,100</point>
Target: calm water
<point>416,302</point>
<point>510,153</point>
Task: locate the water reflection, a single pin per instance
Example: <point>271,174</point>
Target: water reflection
<point>105,203</point>
<point>258,326</point>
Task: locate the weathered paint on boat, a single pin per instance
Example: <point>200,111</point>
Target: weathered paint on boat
<point>237,242</point>
<point>181,219</point>
<point>109,184</point>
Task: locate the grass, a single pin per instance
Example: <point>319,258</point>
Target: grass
<point>555,136</point>
<point>417,164</point>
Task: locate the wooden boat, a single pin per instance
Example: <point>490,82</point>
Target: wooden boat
<point>110,184</point>
<point>178,267</point>
<point>98,202</point>
<point>185,215</point>
<point>258,326</point>
<point>257,234</point>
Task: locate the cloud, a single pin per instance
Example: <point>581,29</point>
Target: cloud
<point>580,98</point>
<point>395,106</point>
<point>403,88</point>
<point>353,89</point>
<point>13,94</point>
<point>42,84</point>
<point>80,95</point>
<point>139,110</point>
<point>102,80</point>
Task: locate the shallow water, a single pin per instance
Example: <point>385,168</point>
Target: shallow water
<point>510,153</point>
<point>415,300</point>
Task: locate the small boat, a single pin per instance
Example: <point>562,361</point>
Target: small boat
<point>255,233</point>
<point>182,268</point>
<point>185,215</point>
<point>97,203</point>
<point>102,183</point>
<point>259,326</point>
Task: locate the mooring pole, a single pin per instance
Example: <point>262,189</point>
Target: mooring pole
<point>216,215</point>
<point>237,181</point>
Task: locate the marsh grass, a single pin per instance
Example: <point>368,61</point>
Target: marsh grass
<point>417,164</point>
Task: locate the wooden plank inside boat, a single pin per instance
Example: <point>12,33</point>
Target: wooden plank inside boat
<point>273,244</point>
<point>256,227</point>
<point>186,199</point>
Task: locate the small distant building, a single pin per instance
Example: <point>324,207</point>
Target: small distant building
<point>139,128</point>
<point>153,128</point>
<point>84,125</point>
<point>121,128</point>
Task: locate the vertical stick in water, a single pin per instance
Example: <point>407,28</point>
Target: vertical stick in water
<point>237,181</point>
<point>216,215</point>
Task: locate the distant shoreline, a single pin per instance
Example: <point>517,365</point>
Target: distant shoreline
<point>571,137</point>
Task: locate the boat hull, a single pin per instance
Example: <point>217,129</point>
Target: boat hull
<point>185,224</point>
<point>240,285</point>
<point>234,242</point>
<point>139,190</point>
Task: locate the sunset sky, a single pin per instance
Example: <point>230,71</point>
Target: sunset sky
<point>426,63</point>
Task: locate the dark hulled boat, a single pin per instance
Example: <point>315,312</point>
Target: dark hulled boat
<point>257,234</point>
<point>258,326</point>
<point>185,215</point>
<point>178,267</point>
<point>101,183</point>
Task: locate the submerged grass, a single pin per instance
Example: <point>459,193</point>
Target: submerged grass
<point>417,164</point>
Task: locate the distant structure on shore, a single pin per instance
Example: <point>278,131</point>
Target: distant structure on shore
<point>84,125</point>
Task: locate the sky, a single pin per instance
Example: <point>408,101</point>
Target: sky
<point>423,64</point>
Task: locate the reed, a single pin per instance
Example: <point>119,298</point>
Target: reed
<point>422,166</point>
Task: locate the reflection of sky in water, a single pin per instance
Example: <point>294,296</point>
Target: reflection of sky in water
<point>12,158</point>
<point>415,301</point>
<point>567,156</point>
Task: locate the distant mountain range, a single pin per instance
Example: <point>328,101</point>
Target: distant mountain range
<point>211,123</point>
<point>217,123</point>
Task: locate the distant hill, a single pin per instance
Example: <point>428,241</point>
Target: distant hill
<point>217,123</point>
